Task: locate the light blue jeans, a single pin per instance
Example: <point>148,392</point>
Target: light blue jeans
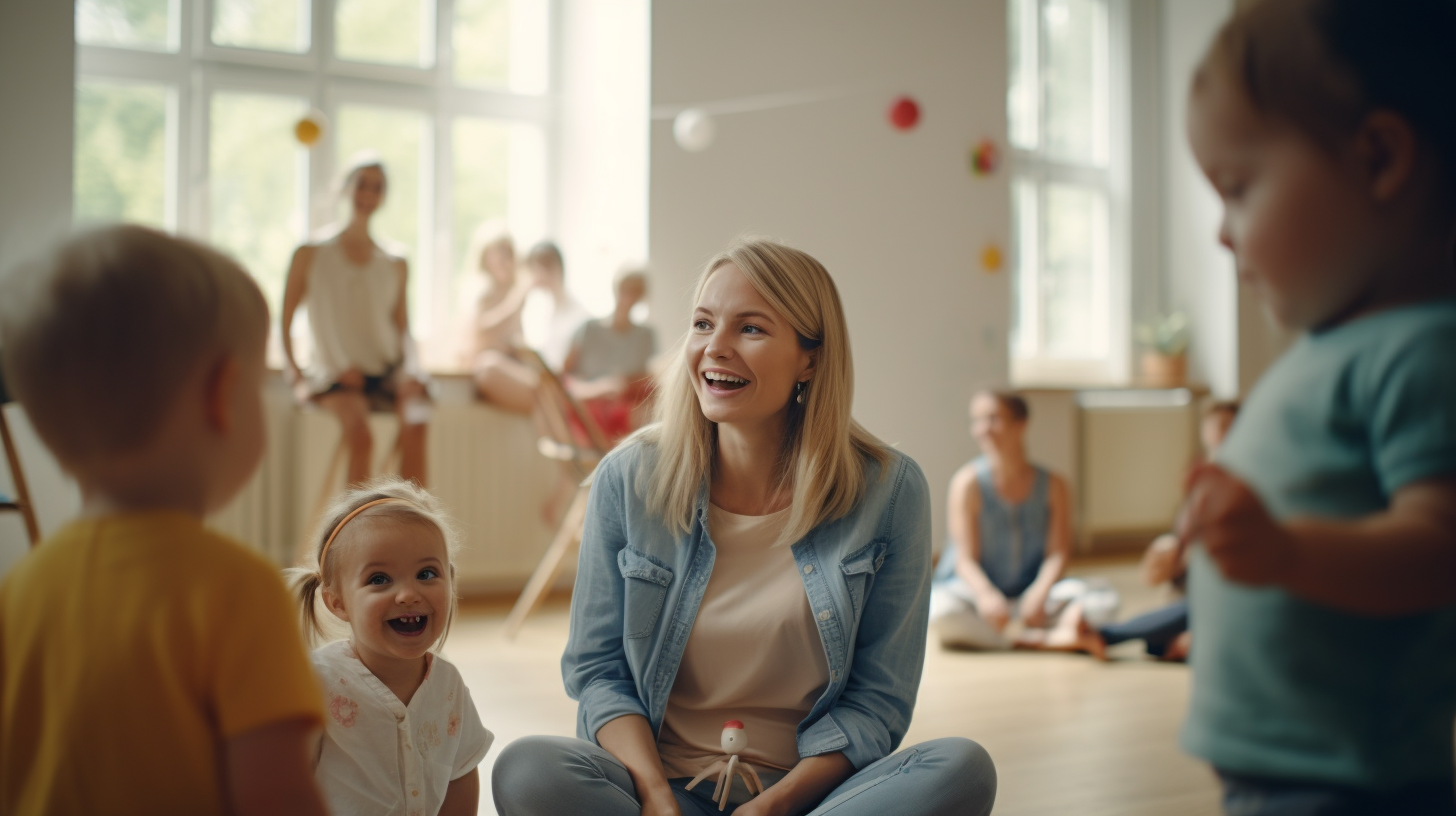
<point>562,776</point>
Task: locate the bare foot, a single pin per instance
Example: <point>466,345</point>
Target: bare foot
<point>1030,639</point>
<point>1073,634</point>
<point>1177,651</point>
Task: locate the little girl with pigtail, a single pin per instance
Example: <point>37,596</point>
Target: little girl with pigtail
<point>402,735</point>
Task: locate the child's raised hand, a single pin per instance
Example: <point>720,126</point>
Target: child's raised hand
<point>1231,523</point>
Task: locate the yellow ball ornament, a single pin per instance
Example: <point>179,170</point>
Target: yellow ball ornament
<point>991,259</point>
<point>309,129</point>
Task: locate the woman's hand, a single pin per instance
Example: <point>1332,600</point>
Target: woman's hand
<point>759,805</point>
<point>297,384</point>
<point>1033,608</point>
<point>992,608</point>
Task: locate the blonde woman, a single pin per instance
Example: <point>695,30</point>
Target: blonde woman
<point>363,356</point>
<point>757,556</point>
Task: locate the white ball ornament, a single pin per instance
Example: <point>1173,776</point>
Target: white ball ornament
<point>694,130</point>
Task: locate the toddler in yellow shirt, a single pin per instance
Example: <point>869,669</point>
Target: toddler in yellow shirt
<point>147,665</point>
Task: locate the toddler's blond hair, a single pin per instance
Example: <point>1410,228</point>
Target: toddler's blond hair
<point>100,336</point>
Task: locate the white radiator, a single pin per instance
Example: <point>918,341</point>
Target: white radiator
<point>481,462</point>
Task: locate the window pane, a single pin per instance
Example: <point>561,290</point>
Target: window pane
<point>391,32</point>
<point>273,25</point>
<point>122,153</point>
<point>500,174</point>
<point>1075,90</point>
<point>1021,89</point>
<point>258,184</point>
<point>150,24</point>
<point>501,43</point>
<point>402,139</point>
<point>1074,279</point>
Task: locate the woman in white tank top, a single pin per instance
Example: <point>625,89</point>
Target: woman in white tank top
<point>363,357</point>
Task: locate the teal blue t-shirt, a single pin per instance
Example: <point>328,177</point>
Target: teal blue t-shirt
<point>1289,689</point>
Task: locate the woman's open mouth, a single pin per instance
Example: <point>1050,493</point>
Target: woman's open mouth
<point>409,625</point>
<point>722,381</point>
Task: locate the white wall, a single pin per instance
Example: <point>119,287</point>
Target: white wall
<point>1234,340</point>
<point>601,171</point>
<point>896,217</point>
<point>1200,274</point>
<point>37,78</point>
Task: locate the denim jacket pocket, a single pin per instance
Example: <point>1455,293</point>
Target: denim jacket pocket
<point>646,581</point>
<point>859,568</point>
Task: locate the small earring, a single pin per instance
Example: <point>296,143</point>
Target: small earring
<point>799,390</point>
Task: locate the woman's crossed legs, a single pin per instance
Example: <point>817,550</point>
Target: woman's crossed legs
<point>547,776</point>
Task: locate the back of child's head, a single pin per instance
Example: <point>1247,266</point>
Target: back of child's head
<point>100,337</point>
<point>1325,65</point>
<point>546,254</point>
<point>383,498</point>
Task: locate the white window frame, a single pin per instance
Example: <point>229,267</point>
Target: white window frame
<point>1031,364</point>
<point>198,69</point>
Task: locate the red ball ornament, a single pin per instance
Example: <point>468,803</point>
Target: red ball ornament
<point>985,157</point>
<point>904,113</point>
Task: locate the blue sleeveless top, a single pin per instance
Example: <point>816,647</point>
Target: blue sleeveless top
<point>1013,536</point>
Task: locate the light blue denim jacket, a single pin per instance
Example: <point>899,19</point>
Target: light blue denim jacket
<point>867,577</point>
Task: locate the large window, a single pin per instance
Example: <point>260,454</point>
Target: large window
<point>185,116</point>
<point>1064,106</point>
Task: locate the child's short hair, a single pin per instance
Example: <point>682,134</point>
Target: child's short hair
<point>1226,408</point>
<point>1325,64</point>
<point>1014,403</point>
<point>100,336</point>
<point>629,272</point>
<point>411,503</point>
<point>547,252</point>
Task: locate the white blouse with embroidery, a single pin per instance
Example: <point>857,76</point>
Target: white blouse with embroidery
<point>380,756</point>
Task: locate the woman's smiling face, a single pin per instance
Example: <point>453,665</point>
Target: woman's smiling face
<point>744,356</point>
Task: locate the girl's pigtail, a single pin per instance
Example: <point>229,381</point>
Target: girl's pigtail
<point>305,583</point>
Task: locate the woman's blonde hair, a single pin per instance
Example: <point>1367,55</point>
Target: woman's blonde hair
<point>822,460</point>
<point>403,501</point>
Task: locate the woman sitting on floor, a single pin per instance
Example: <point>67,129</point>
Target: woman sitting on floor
<point>1011,537</point>
<point>755,564</point>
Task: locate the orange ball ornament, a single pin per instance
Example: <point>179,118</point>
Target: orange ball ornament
<point>309,129</point>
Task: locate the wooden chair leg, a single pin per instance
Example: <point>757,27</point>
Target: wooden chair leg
<point>22,490</point>
<point>321,503</point>
<point>568,535</point>
<point>395,456</point>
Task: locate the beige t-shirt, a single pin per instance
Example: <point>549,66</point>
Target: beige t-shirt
<point>754,653</point>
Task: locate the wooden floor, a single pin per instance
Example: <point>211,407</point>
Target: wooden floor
<point>1068,735</point>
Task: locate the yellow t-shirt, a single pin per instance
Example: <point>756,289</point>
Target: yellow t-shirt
<point>131,647</point>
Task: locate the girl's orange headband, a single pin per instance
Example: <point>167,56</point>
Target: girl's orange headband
<point>334,533</point>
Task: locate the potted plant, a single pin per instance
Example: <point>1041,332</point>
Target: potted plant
<point>1165,351</point>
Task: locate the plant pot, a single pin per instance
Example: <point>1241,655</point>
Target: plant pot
<point>1163,370</point>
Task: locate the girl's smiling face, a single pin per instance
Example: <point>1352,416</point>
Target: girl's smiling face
<point>744,356</point>
<point>392,586</point>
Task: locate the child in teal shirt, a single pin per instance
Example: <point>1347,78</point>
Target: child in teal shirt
<point>1324,537</point>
